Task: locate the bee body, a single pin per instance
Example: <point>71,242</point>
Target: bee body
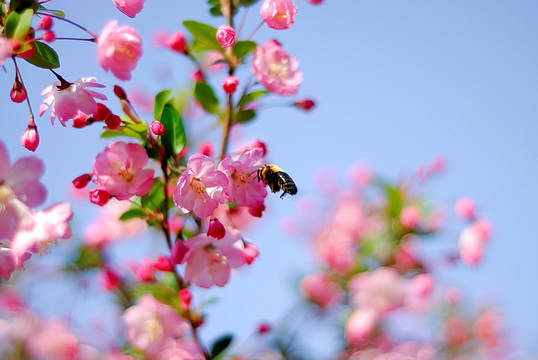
<point>277,180</point>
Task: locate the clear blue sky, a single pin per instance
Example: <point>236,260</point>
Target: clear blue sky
<point>397,82</point>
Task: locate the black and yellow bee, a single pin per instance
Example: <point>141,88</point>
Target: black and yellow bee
<point>277,180</point>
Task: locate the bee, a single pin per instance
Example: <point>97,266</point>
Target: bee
<point>277,180</point>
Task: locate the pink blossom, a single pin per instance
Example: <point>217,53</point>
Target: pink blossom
<point>278,14</point>
<point>320,289</point>
<point>157,128</point>
<point>177,42</point>
<point>410,216</point>
<point>201,187</point>
<point>66,99</point>
<point>129,7</point>
<point>54,341</point>
<point>99,197</point>
<point>472,241</point>
<point>465,208</point>
<point>336,248</point>
<point>229,84</point>
<point>118,49</point>
<point>152,324</point>
<point>422,285</point>
<point>211,260</point>
<point>180,252</point>
<point>455,331</point>
<point>9,262</point>
<point>226,36</point>
<point>144,269</point>
<point>243,186</point>
<point>120,170</point>
<point>30,137</point>
<point>275,69</point>
<point>5,49</point>
<point>360,326</point>
<point>181,349</point>
<point>216,229</point>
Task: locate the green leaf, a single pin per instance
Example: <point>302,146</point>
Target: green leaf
<point>18,24</point>
<point>159,291</point>
<point>134,213</point>
<point>204,34</point>
<point>204,94</point>
<point>19,5</point>
<point>252,96</point>
<point>174,138</point>
<point>45,57</point>
<point>160,100</point>
<point>220,345</point>
<point>247,2</point>
<point>87,258</point>
<point>244,47</point>
<point>155,196</point>
<point>245,116</point>
<point>58,13</point>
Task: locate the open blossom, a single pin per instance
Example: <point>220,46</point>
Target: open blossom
<point>473,240</point>
<point>275,69</point>
<point>66,99</point>
<point>129,7</point>
<point>243,185</point>
<point>201,187</point>
<point>5,49</point>
<point>278,14</point>
<point>9,262</point>
<point>152,324</point>
<point>360,325</point>
<point>211,260</point>
<point>120,170</point>
<point>118,49</point>
<point>319,288</point>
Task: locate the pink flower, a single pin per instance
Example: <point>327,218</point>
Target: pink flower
<point>151,324</point>
<point>278,14</point>
<point>99,197</point>
<point>465,208</point>
<point>129,7</point>
<point>9,262</point>
<point>118,49</point>
<point>66,99</point>
<point>177,42</point>
<point>473,240</point>
<point>5,49</point>
<point>229,84</point>
<point>211,260</point>
<point>30,137</point>
<point>243,186</point>
<point>216,229</point>
<point>422,285</point>
<point>410,216</point>
<point>360,326</point>
<point>201,187</point>
<point>157,128</point>
<point>275,69</point>
<point>226,36</point>
<point>119,170</point>
<point>321,290</point>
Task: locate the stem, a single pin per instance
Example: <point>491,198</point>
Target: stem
<point>242,23</point>
<point>18,74</point>
<point>79,39</point>
<point>70,22</point>
<point>255,30</point>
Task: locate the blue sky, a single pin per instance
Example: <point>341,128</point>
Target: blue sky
<point>397,83</point>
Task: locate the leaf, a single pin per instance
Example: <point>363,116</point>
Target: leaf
<point>247,2</point>
<point>203,33</point>
<point>245,116</point>
<point>18,24</point>
<point>244,47</point>
<point>220,345</point>
<point>58,13</point>
<point>44,57</point>
<point>174,138</point>
<point>159,291</point>
<point>204,94</point>
<point>87,258</point>
<point>134,213</point>
<point>155,196</point>
<point>160,100</point>
<point>252,96</point>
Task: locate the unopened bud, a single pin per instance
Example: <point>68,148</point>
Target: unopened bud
<point>177,42</point>
<point>206,148</point>
<point>112,121</point>
<point>46,22</point>
<point>120,93</point>
<point>305,104</point>
<point>49,36</point>
<point>226,36</point>
<point>229,84</point>
<point>185,296</point>
<point>30,137</point>
<point>99,196</point>
<point>216,229</point>
<point>81,181</point>
<point>157,128</point>
<point>18,92</point>
<point>250,252</point>
<point>81,120</point>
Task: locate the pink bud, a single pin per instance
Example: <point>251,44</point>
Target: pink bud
<point>30,137</point>
<point>216,229</point>
<point>226,36</point>
<point>483,228</point>
<point>81,120</point>
<point>229,84</point>
<point>112,121</point>
<point>175,224</point>
<point>101,113</point>
<point>49,36</point>
<point>263,328</point>
<point>18,92</point>
<point>206,148</point>
<point>305,104</point>
<point>257,210</point>
<point>81,181</point>
<point>157,128</point>
<point>163,264</point>
<point>177,42</point>
<point>99,197</point>
<point>465,208</point>
<point>185,296</point>
<point>109,279</point>
<point>315,2</point>
<point>197,76</point>
<point>250,252</point>
<point>422,285</point>
<point>409,216</point>
<point>179,253</point>
<point>46,22</point>
<point>257,144</point>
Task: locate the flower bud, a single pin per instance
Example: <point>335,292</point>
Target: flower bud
<point>216,229</point>
<point>229,84</point>
<point>81,181</point>
<point>226,36</point>
<point>49,36</point>
<point>120,93</point>
<point>112,121</point>
<point>250,252</point>
<point>263,328</point>
<point>101,113</point>
<point>157,128</point>
<point>30,137</point>
<point>177,42</point>
<point>465,208</point>
<point>46,22</point>
<point>206,148</point>
<point>410,216</point>
<point>305,104</point>
<point>185,296</point>
<point>163,264</point>
<point>109,279</point>
<point>81,120</point>
<point>179,253</point>
<point>99,196</point>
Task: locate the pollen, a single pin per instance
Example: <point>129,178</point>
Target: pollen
<point>199,189</point>
<point>153,330</point>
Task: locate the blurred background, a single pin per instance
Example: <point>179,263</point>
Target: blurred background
<point>396,84</point>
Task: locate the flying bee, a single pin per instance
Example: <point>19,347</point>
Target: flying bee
<point>277,180</point>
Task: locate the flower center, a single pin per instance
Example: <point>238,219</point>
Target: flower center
<point>240,177</point>
<point>6,196</point>
<point>215,260</point>
<point>280,69</point>
<point>153,329</point>
<point>199,189</point>
<point>126,174</point>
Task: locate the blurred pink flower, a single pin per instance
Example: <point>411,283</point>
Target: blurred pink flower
<point>422,285</point>
<point>410,216</point>
<point>118,49</point>
<point>226,36</point>
<point>360,326</point>
<point>176,42</point>
<point>229,84</point>
<point>201,187</point>
<point>472,241</point>
<point>243,186</point>
<point>9,262</point>
<point>278,14</point>
<point>129,7</point>
<point>119,170</point>
<point>455,331</point>
<point>152,324</point>
<point>66,99</point>
<point>337,249</point>
<point>275,69</point>
<point>54,341</point>
<point>465,208</point>
<point>5,49</point>
<point>180,349</point>
<point>319,288</point>
<point>211,260</point>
